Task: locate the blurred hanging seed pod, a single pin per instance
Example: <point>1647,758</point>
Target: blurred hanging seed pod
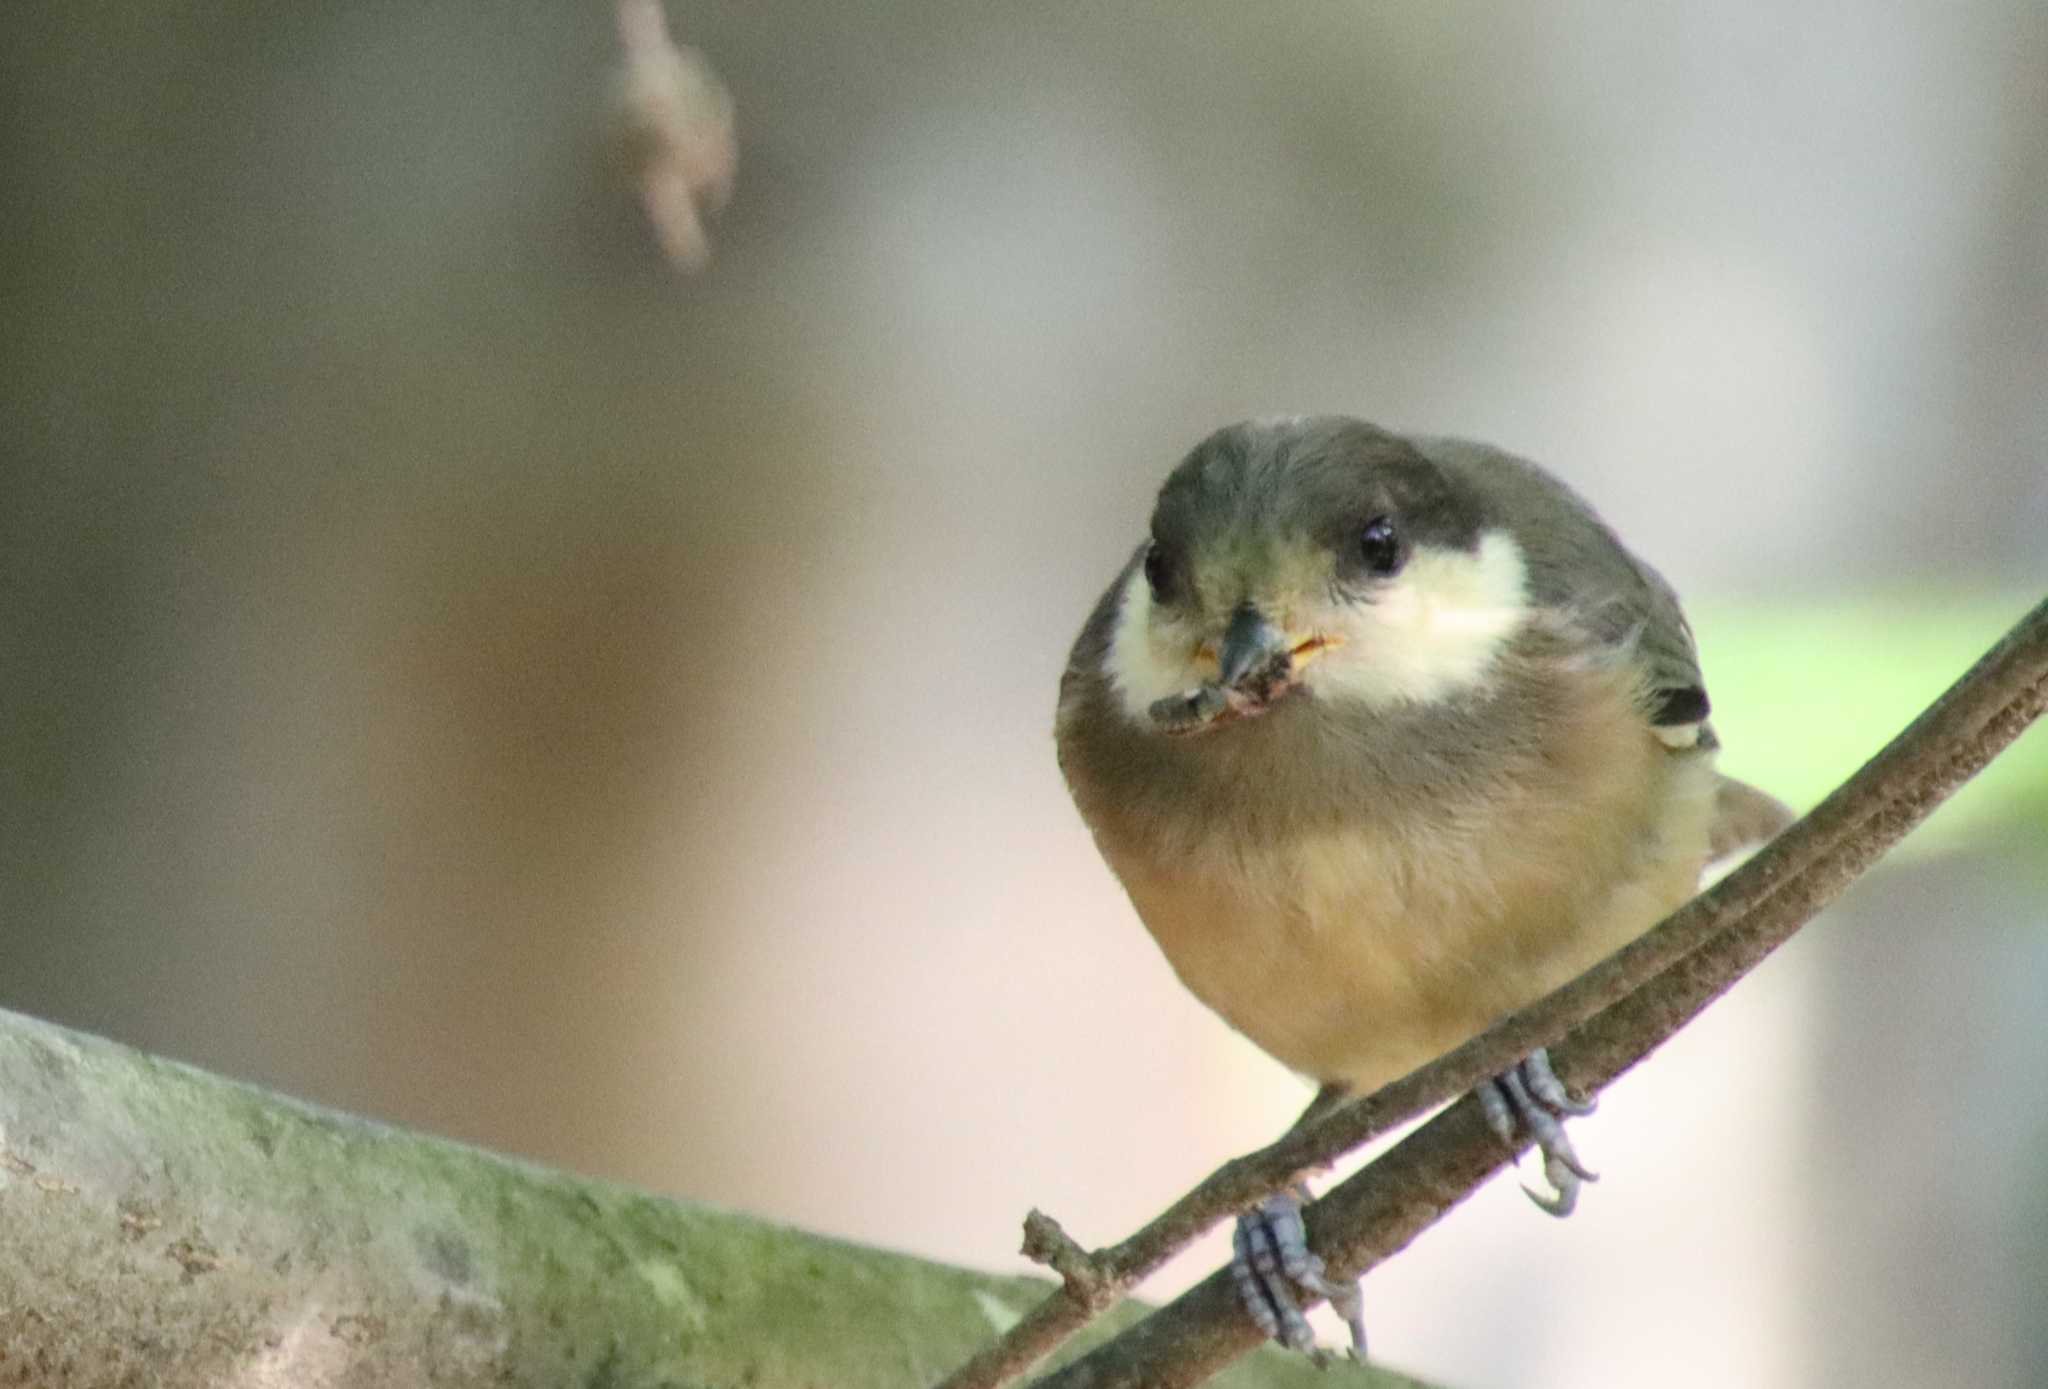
<point>676,121</point>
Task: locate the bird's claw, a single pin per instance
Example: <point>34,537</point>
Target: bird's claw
<point>1273,1268</point>
<point>1527,1102</point>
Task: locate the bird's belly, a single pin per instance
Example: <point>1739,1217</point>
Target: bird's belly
<point>1352,960</point>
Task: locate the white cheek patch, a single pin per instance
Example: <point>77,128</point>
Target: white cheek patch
<point>1435,629</point>
<point>1144,668</point>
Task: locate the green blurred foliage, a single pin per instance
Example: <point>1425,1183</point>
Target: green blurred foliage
<point>1805,692</point>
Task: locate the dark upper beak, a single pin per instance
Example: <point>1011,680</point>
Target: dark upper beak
<point>1250,643</point>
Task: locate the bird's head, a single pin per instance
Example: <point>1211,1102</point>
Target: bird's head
<point>1310,559</point>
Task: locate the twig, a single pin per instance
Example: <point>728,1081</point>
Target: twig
<point>1692,956</point>
<point>677,124</point>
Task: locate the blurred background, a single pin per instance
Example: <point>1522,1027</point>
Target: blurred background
<point>456,667</point>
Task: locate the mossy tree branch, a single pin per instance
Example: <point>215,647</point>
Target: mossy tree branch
<point>166,1227</point>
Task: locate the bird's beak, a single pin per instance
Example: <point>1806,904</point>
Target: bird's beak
<point>1256,663</point>
<point>1256,655</point>
<point>1252,648</point>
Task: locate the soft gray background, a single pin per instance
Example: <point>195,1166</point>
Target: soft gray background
<point>453,668</point>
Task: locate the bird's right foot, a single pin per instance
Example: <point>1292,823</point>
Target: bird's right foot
<point>1276,1275</point>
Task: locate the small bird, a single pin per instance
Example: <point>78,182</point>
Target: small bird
<point>1385,738</point>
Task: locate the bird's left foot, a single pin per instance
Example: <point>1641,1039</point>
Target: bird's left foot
<point>1528,1102</point>
<point>1274,1269</point>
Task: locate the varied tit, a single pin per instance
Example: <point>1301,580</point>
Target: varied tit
<point>1386,738</point>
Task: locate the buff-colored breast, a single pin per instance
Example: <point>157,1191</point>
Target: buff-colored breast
<point>1356,955</point>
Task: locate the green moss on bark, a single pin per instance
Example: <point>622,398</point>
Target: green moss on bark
<point>170,1228</point>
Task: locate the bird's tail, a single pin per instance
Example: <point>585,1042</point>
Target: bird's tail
<point>1744,818</point>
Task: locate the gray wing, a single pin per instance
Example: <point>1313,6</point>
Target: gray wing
<point>1578,566</point>
<point>1663,639</point>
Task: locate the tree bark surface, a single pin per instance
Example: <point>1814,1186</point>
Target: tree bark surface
<point>168,1228</point>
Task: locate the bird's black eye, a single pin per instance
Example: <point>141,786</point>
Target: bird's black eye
<point>1159,573</point>
<point>1379,546</point>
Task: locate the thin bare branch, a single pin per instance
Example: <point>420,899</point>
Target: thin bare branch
<point>1637,998</point>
